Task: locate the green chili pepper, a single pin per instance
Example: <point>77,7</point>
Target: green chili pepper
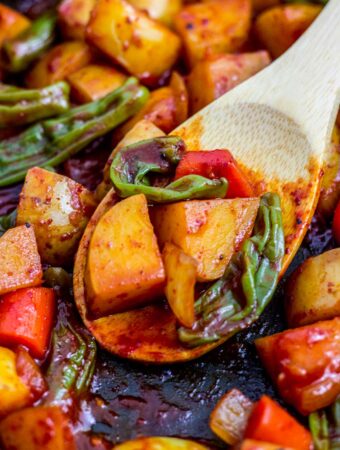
<point>23,106</point>
<point>51,142</point>
<point>19,52</point>
<point>7,222</point>
<point>57,277</point>
<point>134,166</point>
<point>237,299</point>
<point>325,427</point>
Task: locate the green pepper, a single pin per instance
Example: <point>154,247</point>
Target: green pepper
<point>23,106</point>
<point>19,52</point>
<point>237,299</point>
<point>325,427</point>
<point>51,142</point>
<point>134,168</point>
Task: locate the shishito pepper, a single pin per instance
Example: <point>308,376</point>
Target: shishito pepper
<point>325,427</point>
<point>51,142</point>
<point>19,52</point>
<point>23,106</point>
<point>133,166</point>
<point>237,299</point>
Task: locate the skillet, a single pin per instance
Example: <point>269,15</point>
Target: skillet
<point>130,399</point>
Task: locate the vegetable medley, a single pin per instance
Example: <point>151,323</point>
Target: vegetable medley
<point>165,253</point>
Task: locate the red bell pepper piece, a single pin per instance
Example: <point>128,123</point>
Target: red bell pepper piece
<point>26,318</point>
<point>216,164</point>
<point>336,224</point>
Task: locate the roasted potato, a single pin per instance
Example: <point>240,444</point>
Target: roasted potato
<point>144,47</point>
<point>74,16</point>
<point>140,131</point>
<point>94,81</point>
<point>160,443</point>
<point>217,74</point>
<point>279,27</point>
<point>12,23</point>
<point>124,265</point>
<point>59,208</point>
<point>250,444</point>
<point>14,394</point>
<point>207,230</point>
<point>37,428</point>
<point>20,261</point>
<point>58,63</point>
<point>213,27</point>
<point>260,5</point>
<point>313,291</point>
<point>162,10</point>
<point>180,271</point>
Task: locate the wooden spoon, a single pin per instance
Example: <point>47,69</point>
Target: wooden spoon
<point>279,123</point>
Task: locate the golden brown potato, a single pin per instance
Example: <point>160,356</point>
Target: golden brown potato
<point>59,208</point>
<point>124,265</point>
<point>38,428</point>
<point>142,130</point>
<point>144,47</point>
<point>162,10</point>
<point>250,444</point>
<point>20,261</point>
<point>58,63</point>
<point>160,443</point>
<point>213,27</point>
<point>260,5</point>
<point>94,81</point>
<point>207,230</point>
<point>12,23</point>
<point>74,16</point>
<point>14,394</point>
<point>217,74</point>
<point>180,271</point>
<point>279,27</point>
<point>313,292</point>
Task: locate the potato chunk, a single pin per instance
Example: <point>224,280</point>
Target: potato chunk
<point>94,81</point>
<point>162,10</point>
<point>218,74</point>
<point>14,393</point>
<point>208,230</point>
<point>124,265</point>
<point>20,261</point>
<point>212,27</point>
<point>160,443</point>
<point>12,23</point>
<point>279,27</point>
<point>58,63</point>
<point>74,16</point>
<point>314,290</point>
<point>59,208</point>
<point>144,47</point>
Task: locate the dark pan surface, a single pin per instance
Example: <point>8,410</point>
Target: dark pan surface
<point>132,399</point>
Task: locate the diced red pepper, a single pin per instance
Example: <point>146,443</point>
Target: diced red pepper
<point>31,375</point>
<point>336,224</point>
<point>26,318</point>
<point>216,164</point>
<point>270,423</point>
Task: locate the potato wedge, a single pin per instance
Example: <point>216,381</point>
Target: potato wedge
<point>58,63</point>
<point>144,47</point>
<point>313,291</point>
<point>213,27</point>
<point>94,81</point>
<point>217,74</point>
<point>162,10</point>
<point>160,443</point>
<point>180,271</point>
<point>279,27</point>
<point>20,261</point>
<point>143,129</point>
<point>14,394</point>
<point>59,208</point>
<point>260,5</point>
<point>73,16</point>
<point>37,428</point>
<point>12,23</point>
<point>208,230</point>
<point>124,265</point>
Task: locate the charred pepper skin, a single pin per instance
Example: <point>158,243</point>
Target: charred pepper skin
<point>18,53</point>
<point>223,310</point>
<point>133,165</point>
<point>51,142</point>
<point>24,106</point>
